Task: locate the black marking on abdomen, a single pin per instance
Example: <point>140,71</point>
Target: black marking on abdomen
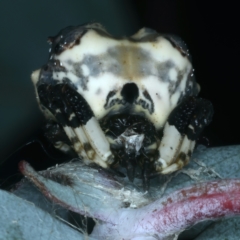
<point>148,97</point>
<point>130,92</point>
<point>110,94</point>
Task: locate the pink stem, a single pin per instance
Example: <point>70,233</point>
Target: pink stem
<point>168,215</point>
<point>187,207</point>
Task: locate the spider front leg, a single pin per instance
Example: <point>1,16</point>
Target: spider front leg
<point>56,135</point>
<point>180,133</point>
<point>75,116</point>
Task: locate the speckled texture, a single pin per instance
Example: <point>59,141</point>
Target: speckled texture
<point>96,63</point>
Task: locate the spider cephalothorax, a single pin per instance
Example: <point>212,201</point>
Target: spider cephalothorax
<point>122,101</point>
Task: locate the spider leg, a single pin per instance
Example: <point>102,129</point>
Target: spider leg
<point>51,98</point>
<point>180,133</point>
<point>76,117</point>
<point>89,123</point>
<point>56,135</point>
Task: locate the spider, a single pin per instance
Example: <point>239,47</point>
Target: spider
<point>127,103</point>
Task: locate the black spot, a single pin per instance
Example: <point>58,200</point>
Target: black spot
<point>130,92</point>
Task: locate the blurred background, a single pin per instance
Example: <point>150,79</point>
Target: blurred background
<point>210,32</point>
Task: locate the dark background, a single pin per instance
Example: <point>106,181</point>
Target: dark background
<point>210,31</point>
